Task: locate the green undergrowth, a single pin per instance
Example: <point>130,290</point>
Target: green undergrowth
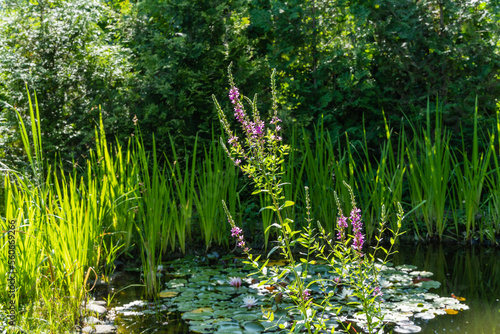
<point>72,223</point>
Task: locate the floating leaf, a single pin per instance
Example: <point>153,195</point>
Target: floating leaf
<point>270,288</point>
<point>460,299</point>
<point>253,327</point>
<point>203,309</point>
<point>419,279</point>
<point>429,284</point>
<point>450,311</point>
<point>168,294</point>
<point>407,329</point>
<point>245,317</point>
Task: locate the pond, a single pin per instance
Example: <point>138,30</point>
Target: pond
<point>469,272</point>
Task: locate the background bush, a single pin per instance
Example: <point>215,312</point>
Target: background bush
<point>161,60</point>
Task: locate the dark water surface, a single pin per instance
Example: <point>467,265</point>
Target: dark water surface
<point>469,272</point>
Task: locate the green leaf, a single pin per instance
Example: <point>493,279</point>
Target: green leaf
<point>287,204</point>
<point>272,251</point>
<point>270,207</point>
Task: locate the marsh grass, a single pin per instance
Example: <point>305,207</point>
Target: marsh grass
<point>153,211</point>
<point>216,180</point>
<point>471,169</point>
<point>120,171</point>
<point>381,183</point>
<point>183,186</point>
<point>319,172</point>
<point>58,221</point>
<point>429,170</point>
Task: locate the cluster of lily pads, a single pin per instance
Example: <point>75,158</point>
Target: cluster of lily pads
<point>223,298</point>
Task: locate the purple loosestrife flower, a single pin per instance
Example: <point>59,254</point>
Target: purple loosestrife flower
<point>275,120</point>
<point>306,294</point>
<point>233,141</point>
<point>377,292</point>
<point>239,114</point>
<point>341,226</point>
<point>234,95</point>
<point>236,231</point>
<point>357,226</point>
<point>258,128</point>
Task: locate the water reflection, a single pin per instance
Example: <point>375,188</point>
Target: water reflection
<point>164,322</point>
<point>469,272</point>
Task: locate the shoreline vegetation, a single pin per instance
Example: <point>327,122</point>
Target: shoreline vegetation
<point>391,103</point>
<point>71,227</point>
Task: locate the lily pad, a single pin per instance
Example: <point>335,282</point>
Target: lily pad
<point>407,329</point>
<point>168,294</point>
<point>406,267</point>
<point>196,316</point>
<point>253,327</point>
<point>421,273</point>
<point>429,284</point>
<point>245,317</point>
<point>201,329</point>
<point>424,315</point>
<point>199,278</point>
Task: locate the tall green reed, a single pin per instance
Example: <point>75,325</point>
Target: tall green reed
<point>183,185</point>
<point>494,184</point>
<point>320,175</point>
<point>429,174</point>
<point>216,180</point>
<point>382,185</point>
<point>153,211</point>
<point>471,169</point>
<point>57,226</point>
<point>120,171</point>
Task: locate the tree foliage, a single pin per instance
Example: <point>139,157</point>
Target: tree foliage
<point>341,62</point>
<point>67,52</point>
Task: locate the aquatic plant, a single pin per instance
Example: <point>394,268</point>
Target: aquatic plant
<point>260,154</point>
<point>249,302</point>
<point>235,281</point>
<point>208,304</point>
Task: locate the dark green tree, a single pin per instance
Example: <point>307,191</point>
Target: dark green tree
<point>64,50</point>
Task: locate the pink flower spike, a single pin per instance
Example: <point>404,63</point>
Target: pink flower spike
<point>235,232</point>
<point>234,94</point>
<point>377,291</point>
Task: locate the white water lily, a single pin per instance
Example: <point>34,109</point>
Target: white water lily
<point>346,293</point>
<point>249,301</point>
<point>384,284</point>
